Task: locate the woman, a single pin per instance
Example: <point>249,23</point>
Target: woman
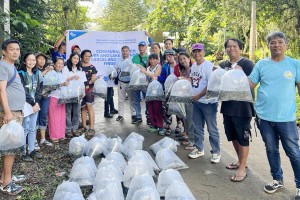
<point>73,71</point>
<point>88,100</point>
<point>168,44</point>
<point>44,102</point>
<point>156,117</point>
<point>155,48</point>
<point>185,64</point>
<point>31,82</point>
<point>57,112</point>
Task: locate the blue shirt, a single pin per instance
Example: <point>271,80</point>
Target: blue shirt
<point>276,99</point>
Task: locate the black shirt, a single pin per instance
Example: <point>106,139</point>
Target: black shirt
<point>238,108</point>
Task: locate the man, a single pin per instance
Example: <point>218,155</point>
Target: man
<point>75,49</point>
<point>275,107</point>
<point>12,98</point>
<point>204,111</point>
<point>237,115</point>
<point>140,59</point>
<point>124,78</point>
<point>59,49</point>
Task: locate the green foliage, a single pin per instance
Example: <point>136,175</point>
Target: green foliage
<point>123,15</point>
<point>38,23</point>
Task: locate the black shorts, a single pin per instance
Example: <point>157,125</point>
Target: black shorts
<point>87,99</point>
<point>237,128</point>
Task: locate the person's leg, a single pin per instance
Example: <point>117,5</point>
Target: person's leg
<point>75,114</point>
<point>137,104</point>
<point>121,97</point>
<point>198,122</point>
<point>111,103</point>
<point>68,117</point>
<point>151,110</point>
<point>7,164</point>
<point>210,115</point>
<point>43,116</point>
<point>32,131</point>
<point>289,137</point>
<point>84,115</point>
<point>130,98</point>
<point>90,109</point>
<point>158,114</point>
<point>26,131</point>
<point>271,140</point>
<point>107,101</point>
<point>188,123</point>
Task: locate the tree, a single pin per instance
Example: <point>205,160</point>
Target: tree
<point>123,15</point>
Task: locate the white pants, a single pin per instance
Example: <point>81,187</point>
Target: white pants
<point>122,97</point>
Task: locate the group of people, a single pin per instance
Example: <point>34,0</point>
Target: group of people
<point>274,112</point>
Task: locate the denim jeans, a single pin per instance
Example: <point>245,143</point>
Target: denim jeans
<point>29,125</point>
<point>206,113</point>
<point>287,132</point>
<point>43,113</point>
<point>136,94</point>
<point>188,123</point>
<point>72,115</point>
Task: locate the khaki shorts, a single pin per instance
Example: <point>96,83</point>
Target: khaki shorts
<point>18,116</point>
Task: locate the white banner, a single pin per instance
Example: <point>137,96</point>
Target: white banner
<point>105,46</point>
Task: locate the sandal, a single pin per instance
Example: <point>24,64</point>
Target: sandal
<point>90,133</point>
<point>76,133</point>
<point>236,178</point>
<point>233,166</point>
<point>55,141</point>
<point>82,130</point>
<point>69,134</point>
<point>183,138</point>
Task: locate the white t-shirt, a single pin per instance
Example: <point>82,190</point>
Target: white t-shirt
<point>200,75</point>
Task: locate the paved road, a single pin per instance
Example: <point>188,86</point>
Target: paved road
<point>206,180</point>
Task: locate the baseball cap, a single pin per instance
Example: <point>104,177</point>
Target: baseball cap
<point>197,46</point>
<point>180,49</point>
<point>142,43</point>
<point>74,46</point>
<point>169,52</point>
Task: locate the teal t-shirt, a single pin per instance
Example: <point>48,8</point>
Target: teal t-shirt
<point>136,60</point>
<point>276,99</point>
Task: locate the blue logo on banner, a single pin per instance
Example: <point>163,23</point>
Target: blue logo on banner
<point>75,34</point>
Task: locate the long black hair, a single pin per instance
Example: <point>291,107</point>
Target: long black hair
<point>69,62</point>
<point>181,67</point>
<point>23,65</point>
<point>161,58</point>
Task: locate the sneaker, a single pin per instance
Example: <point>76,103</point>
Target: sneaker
<point>36,146</point>
<point>136,120</point>
<point>297,197</point>
<point>114,112</point>
<point>35,154</point>
<point>27,158</point>
<point>152,129</point>
<point>196,153</point>
<point>148,121</point>
<point>133,117</point>
<point>11,189</point>
<point>215,158</point>
<point>46,142</point>
<point>274,186</point>
<point>18,178</point>
<point>161,132</point>
<point>119,118</point>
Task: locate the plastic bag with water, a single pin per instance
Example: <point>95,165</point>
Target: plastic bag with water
<point>166,142</point>
<point>113,145</point>
<point>68,190</point>
<point>12,138</point>
<point>179,190</point>
<point>171,79</point>
<point>178,109</point>
<point>118,159</point>
<point>77,146</point>
<point>182,92</point>
<point>166,178</point>
<point>146,193</point>
<point>126,67</point>
<point>139,182</point>
<point>95,147</point>
<point>138,81</point>
<point>73,93</point>
<point>214,83</point>
<point>132,143</point>
<point>147,157</point>
<point>155,92</point>
<point>167,159</point>
<point>100,88</point>
<point>235,87</point>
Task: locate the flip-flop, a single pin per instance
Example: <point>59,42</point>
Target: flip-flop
<point>236,178</point>
<point>232,166</point>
